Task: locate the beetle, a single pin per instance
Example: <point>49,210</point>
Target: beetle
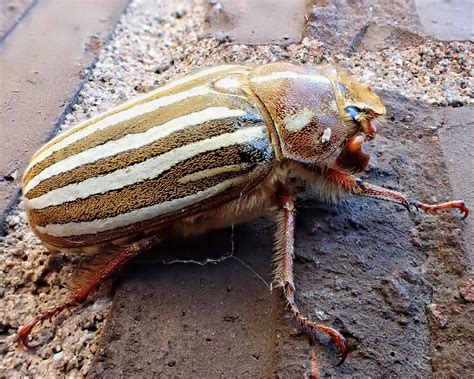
<point>212,149</point>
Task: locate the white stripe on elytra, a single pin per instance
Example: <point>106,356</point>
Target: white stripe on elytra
<point>128,111</point>
<point>138,215</point>
<point>131,141</point>
<point>290,75</point>
<point>210,172</point>
<point>148,169</point>
<point>122,116</point>
<point>181,81</point>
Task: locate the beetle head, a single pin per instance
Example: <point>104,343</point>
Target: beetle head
<point>358,104</point>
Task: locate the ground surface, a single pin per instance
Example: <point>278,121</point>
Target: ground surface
<point>11,13</point>
<point>392,282</point>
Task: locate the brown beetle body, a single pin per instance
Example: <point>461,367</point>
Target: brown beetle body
<point>207,151</point>
<point>284,113</point>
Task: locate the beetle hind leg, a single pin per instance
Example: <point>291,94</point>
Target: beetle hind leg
<point>284,276</point>
<point>121,256</point>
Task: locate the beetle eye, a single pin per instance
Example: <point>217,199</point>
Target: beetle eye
<point>354,112</point>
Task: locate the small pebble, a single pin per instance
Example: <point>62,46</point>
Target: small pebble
<point>58,357</point>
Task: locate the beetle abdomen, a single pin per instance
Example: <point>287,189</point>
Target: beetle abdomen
<point>179,149</point>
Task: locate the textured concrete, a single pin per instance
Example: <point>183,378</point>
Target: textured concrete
<point>457,140</point>
<point>447,20</point>
<point>11,13</point>
<point>208,321</point>
<point>242,21</point>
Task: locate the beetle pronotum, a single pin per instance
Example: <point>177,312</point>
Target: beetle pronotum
<point>206,151</point>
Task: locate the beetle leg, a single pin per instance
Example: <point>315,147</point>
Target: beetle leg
<point>377,192</point>
<point>358,187</point>
<point>122,256</point>
<point>284,275</point>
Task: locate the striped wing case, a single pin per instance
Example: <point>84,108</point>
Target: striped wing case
<point>182,148</point>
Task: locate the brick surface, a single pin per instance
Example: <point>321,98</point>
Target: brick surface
<point>11,13</point>
<point>184,320</point>
<point>243,23</point>
<point>457,140</point>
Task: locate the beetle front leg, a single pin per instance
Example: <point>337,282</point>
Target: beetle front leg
<point>284,275</point>
<point>121,256</point>
<point>370,190</point>
<point>358,187</point>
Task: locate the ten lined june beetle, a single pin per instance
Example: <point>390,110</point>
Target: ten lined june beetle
<point>206,151</point>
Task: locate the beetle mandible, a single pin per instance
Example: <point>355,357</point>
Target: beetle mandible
<point>209,150</point>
